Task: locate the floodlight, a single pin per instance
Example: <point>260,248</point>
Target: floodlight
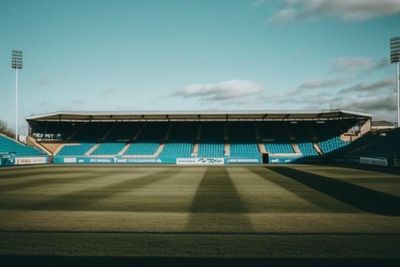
<point>395,50</point>
<point>16,59</point>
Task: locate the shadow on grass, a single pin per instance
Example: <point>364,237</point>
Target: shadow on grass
<point>357,196</point>
<point>350,166</point>
<point>78,200</point>
<point>216,195</point>
<point>307,195</point>
<point>51,181</point>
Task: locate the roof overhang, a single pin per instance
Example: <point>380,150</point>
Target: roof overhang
<point>204,115</point>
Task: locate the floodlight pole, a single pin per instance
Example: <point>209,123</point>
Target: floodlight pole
<point>395,58</point>
<point>16,104</point>
<point>16,63</point>
<point>398,94</point>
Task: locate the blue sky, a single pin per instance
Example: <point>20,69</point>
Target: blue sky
<point>184,55</point>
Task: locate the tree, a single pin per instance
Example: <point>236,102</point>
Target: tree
<point>5,130</point>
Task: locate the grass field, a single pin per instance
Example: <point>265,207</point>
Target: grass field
<point>274,212</point>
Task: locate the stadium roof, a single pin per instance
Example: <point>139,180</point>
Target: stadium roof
<point>203,115</point>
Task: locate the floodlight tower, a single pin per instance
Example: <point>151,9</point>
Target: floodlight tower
<point>16,63</point>
<point>395,58</point>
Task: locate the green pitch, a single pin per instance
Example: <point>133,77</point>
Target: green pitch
<point>286,211</point>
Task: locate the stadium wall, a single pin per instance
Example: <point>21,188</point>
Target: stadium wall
<point>372,161</point>
<point>11,160</point>
<point>177,161</point>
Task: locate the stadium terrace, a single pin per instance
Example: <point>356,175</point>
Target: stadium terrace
<point>193,137</point>
<point>202,138</point>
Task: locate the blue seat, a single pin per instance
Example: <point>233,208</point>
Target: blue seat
<point>244,150</point>
<point>148,140</point>
<point>211,150</point>
<point>332,144</point>
<point>142,148</point>
<point>109,149</point>
<point>387,146</point>
<point>75,150</point>
<point>7,145</point>
<point>177,150</point>
<point>279,148</point>
<point>307,149</point>
<point>212,140</point>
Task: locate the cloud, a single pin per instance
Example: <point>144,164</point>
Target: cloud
<point>369,104</point>
<point>367,97</point>
<point>225,90</point>
<point>376,98</point>
<point>368,87</point>
<point>352,64</point>
<point>321,84</point>
<point>359,64</point>
<point>284,15</point>
<point>381,64</point>
<point>345,10</point>
<point>302,98</point>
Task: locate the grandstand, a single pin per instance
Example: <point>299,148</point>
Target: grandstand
<point>13,152</point>
<point>195,137</point>
<point>387,145</point>
<point>375,148</point>
<point>8,145</point>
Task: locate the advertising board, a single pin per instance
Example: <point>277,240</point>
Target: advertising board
<point>30,160</point>
<point>374,161</point>
<point>242,161</point>
<point>200,161</point>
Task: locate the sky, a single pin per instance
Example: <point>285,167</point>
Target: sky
<point>198,55</point>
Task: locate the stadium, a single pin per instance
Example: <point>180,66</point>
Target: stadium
<point>200,133</point>
<point>201,188</point>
